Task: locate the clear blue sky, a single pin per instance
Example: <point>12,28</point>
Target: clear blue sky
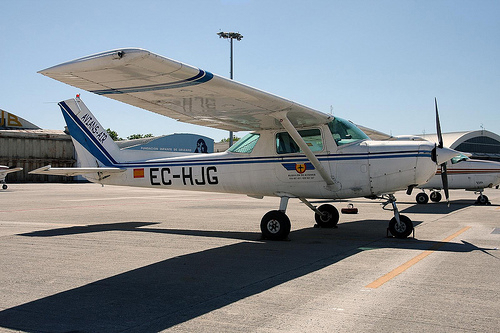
<point>377,63</point>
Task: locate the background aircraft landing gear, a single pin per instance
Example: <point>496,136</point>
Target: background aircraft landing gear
<point>436,196</point>
<point>400,226</point>
<point>422,198</point>
<point>482,200</point>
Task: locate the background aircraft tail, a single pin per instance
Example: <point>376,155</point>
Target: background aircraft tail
<point>95,148</point>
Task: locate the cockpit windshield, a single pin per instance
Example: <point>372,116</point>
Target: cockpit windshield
<point>246,144</point>
<point>345,132</point>
<point>459,158</point>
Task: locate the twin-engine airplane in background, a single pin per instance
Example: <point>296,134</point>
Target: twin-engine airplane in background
<point>4,171</point>
<point>293,151</point>
<point>463,173</point>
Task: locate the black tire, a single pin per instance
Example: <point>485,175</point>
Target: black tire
<point>482,200</point>
<point>329,218</point>
<point>402,231</point>
<point>275,225</point>
<point>4,186</point>
<point>422,198</point>
<point>436,196</point>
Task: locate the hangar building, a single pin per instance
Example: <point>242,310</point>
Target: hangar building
<point>178,143</point>
<point>25,145</point>
<point>481,144</point>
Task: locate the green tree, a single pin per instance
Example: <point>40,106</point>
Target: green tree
<point>235,138</point>
<point>139,136</point>
<point>113,135</point>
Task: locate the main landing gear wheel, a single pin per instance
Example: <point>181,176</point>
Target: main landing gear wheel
<point>275,225</point>
<point>329,216</point>
<point>422,198</point>
<point>483,200</point>
<point>4,186</point>
<point>436,196</point>
<point>403,229</point>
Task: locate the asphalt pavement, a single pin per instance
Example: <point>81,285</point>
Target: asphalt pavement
<point>86,258</point>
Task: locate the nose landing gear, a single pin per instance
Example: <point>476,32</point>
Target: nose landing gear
<point>400,226</point>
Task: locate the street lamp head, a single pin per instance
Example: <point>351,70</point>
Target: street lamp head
<point>230,35</point>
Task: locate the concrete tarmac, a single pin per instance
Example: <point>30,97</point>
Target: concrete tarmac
<point>86,258</point>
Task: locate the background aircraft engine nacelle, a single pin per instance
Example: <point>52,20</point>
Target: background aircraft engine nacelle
<point>396,165</point>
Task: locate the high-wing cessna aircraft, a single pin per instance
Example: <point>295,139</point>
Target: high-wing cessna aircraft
<point>292,152</point>
<point>463,173</point>
<point>4,171</point>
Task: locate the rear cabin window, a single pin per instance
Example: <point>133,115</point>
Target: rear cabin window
<point>286,145</point>
<point>246,144</point>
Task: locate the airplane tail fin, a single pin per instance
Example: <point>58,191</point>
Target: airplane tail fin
<point>95,148</point>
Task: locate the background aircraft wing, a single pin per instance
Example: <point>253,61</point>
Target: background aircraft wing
<point>48,170</point>
<point>4,172</point>
<point>179,91</point>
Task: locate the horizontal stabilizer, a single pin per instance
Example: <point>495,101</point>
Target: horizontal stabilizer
<point>49,170</point>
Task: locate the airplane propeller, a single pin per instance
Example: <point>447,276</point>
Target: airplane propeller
<point>444,173</point>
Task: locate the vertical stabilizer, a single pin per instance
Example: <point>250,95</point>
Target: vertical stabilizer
<point>95,148</point>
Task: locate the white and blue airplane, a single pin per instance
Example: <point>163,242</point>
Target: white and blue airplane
<point>293,151</point>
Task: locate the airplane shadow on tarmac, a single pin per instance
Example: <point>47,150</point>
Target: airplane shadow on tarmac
<point>158,296</point>
<point>438,208</point>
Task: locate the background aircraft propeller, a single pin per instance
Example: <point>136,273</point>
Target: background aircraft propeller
<point>444,173</point>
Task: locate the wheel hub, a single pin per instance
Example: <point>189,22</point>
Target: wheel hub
<point>325,217</point>
<point>273,226</point>
<point>400,227</point>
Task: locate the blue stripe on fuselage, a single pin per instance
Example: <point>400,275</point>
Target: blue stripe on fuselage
<point>270,159</point>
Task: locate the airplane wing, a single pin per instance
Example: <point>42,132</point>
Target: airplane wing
<point>179,91</point>
<point>49,170</point>
<point>4,171</point>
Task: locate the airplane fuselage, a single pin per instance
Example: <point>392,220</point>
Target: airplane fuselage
<point>361,168</point>
<point>469,175</point>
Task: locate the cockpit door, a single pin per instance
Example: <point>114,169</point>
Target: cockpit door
<point>294,167</point>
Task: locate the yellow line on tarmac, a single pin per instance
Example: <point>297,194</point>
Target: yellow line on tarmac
<point>380,281</point>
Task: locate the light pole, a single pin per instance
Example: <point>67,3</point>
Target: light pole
<point>230,36</point>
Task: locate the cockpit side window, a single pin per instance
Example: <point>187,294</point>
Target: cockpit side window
<point>246,144</point>
<point>345,132</point>
<point>286,145</point>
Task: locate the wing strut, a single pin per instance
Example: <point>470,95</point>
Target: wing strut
<point>332,184</point>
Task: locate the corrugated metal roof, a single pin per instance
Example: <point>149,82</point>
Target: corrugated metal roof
<point>38,133</point>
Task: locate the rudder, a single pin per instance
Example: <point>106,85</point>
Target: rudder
<point>94,146</point>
